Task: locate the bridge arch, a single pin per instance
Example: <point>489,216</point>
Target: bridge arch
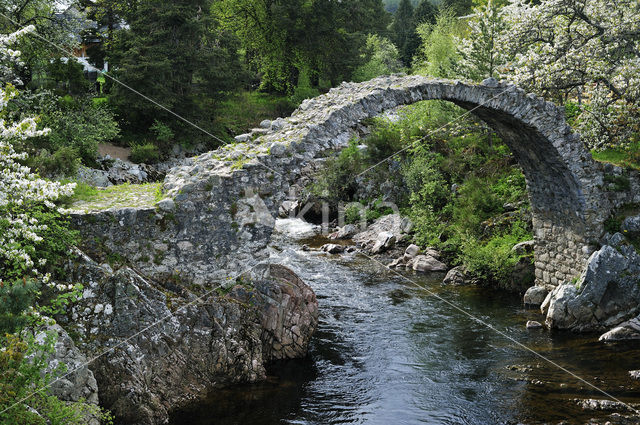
<point>563,182</point>
<point>201,226</point>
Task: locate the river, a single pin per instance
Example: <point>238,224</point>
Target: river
<point>388,352</point>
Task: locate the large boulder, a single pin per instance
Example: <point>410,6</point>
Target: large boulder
<point>385,241</point>
<point>167,346</point>
<point>535,296</point>
<point>606,294</point>
<point>457,276</point>
<point>427,263</point>
<point>393,225</point>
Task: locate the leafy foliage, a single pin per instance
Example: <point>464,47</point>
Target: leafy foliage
<point>284,38</point>
<point>381,57</point>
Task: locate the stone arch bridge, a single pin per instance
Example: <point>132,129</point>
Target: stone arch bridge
<point>217,214</point>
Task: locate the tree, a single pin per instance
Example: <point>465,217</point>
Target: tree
<point>582,51</point>
<point>176,54</point>
<point>438,54</point>
<point>425,12</point>
<point>35,52</point>
<point>322,38</point>
<point>382,58</point>
<point>403,31</point>
<point>457,7</point>
<point>480,50</point>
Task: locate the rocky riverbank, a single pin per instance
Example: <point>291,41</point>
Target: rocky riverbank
<point>388,240</point>
<point>159,346</point>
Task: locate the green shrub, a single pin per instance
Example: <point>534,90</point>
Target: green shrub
<point>339,179</point>
<point>353,214</point>
<point>493,260</point>
<point>64,161</point>
<point>76,124</point>
<point>162,131</point>
<point>146,153</point>
<point>425,182</point>
<point>16,297</point>
<point>303,90</point>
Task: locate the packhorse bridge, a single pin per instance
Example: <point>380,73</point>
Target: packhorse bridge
<point>218,212</point>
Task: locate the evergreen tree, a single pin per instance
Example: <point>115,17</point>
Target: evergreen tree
<point>403,31</point>
<point>176,54</point>
<point>321,38</point>
<point>458,7</point>
<point>426,12</point>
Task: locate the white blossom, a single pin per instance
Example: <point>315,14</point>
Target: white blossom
<point>18,185</point>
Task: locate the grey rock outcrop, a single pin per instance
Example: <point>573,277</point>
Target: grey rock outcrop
<point>627,331</point>
<point>167,346</point>
<point>77,382</point>
<point>606,294</point>
<point>631,224</point>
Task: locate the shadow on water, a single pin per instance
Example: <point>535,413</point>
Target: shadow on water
<point>387,352</point>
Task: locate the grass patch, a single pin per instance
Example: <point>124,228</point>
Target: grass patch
<point>88,198</point>
<point>246,110</point>
<point>625,158</point>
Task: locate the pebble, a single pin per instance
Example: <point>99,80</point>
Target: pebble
<point>532,324</point>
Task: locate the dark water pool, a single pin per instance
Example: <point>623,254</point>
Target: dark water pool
<point>386,352</point>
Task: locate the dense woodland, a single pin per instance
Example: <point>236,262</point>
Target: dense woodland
<point>224,65</point>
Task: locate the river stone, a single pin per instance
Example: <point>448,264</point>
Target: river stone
<point>265,124</point>
<point>535,296</point>
<point>394,224</point>
<point>626,331</point>
<point>606,294</point>
<point>384,241</point>
<point>532,324</point>
<point>456,277</point>
<point>333,248</point>
<point>411,251</point>
<point>345,232</point>
<point>426,263</point>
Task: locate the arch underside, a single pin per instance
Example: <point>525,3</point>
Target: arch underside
<point>553,167</point>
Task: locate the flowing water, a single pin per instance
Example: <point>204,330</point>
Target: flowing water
<point>387,352</point>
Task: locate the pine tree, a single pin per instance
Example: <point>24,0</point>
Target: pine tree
<point>403,31</point>
<point>176,54</point>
